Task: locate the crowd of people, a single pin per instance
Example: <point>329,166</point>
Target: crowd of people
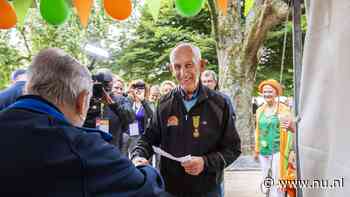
<point>44,110</point>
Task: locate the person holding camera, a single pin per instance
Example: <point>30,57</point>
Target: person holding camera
<point>46,152</point>
<point>138,92</point>
<point>118,110</point>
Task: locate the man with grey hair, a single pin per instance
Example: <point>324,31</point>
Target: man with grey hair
<point>191,120</point>
<point>209,79</point>
<point>46,152</point>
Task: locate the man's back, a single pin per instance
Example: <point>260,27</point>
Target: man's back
<point>44,156</point>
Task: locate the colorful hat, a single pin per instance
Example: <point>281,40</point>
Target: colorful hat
<point>277,86</point>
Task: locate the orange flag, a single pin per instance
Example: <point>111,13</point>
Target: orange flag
<point>222,4</point>
<point>84,10</point>
<point>8,18</point>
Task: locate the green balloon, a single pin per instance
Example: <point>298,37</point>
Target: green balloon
<point>189,8</point>
<point>55,12</point>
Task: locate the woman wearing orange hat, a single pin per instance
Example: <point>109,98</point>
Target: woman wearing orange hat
<point>273,140</point>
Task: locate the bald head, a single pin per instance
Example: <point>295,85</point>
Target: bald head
<point>186,66</point>
<point>196,53</point>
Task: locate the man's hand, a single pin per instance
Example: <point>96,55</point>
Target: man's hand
<point>106,98</point>
<point>137,161</point>
<point>195,166</point>
<point>140,96</point>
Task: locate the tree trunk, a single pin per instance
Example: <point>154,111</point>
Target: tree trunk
<point>237,44</point>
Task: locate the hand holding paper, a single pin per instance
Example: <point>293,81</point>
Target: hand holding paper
<point>194,166</point>
<point>169,156</point>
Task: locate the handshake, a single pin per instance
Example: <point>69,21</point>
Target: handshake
<point>191,164</point>
<point>140,161</point>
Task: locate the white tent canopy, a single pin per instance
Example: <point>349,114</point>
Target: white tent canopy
<point>324,128</point>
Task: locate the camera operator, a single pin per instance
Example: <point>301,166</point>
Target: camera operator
<point>46,152</point>
<point>119,112</point>
<point>108,111</point>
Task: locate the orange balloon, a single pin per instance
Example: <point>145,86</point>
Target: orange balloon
<point>8,18</point>
<point>84,10</point>
<point>222,4</point>
<point>119,10</point>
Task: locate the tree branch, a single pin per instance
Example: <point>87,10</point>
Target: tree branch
<point>271,14</point>
<point>214,18</point>
<point>227,29</point>
<point>22,31</point>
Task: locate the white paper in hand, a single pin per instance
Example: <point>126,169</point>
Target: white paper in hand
<point>169,156</point>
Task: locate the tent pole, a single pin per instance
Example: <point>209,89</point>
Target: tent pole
<point>297,64</point>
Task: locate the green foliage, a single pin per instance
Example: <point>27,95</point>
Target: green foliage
<point>274,49</point>
<point>36,35</point>
<point>9,59</point>
<point>139,47</point>
<point>147,55</point>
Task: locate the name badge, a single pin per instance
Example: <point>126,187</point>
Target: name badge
<point>134,129</point>
<point>103,125</point>
<point>173,121</point>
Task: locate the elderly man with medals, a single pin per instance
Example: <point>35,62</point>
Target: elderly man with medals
<point>191,120</point>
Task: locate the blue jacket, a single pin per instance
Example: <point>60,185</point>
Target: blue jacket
<point>9,95</point>
<point>43,155</point>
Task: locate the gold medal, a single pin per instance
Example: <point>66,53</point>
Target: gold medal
<point>196,133</point>
<point>195,121</point>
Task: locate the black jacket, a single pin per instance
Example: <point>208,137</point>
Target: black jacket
<point>148,113</point>
<point>120,115</point>
<point>172,130</point>
<point>9,95</point>
<point>43,155</point>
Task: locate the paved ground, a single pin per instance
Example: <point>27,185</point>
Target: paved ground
<point>242,184</point>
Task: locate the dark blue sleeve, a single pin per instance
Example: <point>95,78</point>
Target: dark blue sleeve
<point>111,174</point>
<point>9,95</point>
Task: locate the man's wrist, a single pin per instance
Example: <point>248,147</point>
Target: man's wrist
<point>136,157</point>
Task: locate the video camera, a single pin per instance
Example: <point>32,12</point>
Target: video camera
<point>102,82</point>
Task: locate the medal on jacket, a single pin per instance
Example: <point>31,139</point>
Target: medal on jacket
<point>195,121</point>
